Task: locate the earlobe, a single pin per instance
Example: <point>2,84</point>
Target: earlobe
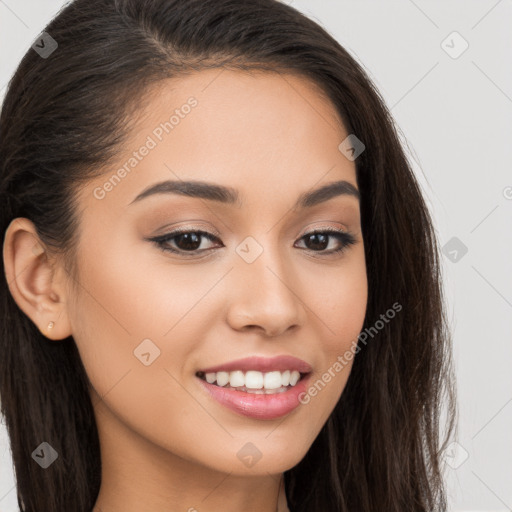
<point>36,285</point>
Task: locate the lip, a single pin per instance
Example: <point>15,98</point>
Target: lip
<point>263,407</point>
<point>263,364</point>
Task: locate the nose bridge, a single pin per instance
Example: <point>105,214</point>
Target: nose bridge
<point>265,293</point>
<point>261,261</point>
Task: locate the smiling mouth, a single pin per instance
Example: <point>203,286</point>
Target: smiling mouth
<point>260,390</point>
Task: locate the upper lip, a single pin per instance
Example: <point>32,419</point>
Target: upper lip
<point>262,364</point>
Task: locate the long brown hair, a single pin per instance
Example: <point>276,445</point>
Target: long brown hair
<point>64,119</point>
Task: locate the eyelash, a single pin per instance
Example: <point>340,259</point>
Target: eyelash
<point>346,238</point>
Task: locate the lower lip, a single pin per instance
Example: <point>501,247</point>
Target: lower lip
<point>263,407</point>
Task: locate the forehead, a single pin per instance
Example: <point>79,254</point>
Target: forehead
<point>263,133</point>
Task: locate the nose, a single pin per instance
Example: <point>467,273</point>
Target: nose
<point>265,295</point>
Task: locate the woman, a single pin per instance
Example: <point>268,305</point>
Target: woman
<point>199,196</point>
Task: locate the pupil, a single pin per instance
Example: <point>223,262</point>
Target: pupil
<point>188,237</point>
<point>323,244</point>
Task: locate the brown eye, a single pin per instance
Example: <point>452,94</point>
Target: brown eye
<point>318,240</point>
<point>185,241</point>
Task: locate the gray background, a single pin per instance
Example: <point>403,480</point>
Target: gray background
<point>455,115</point>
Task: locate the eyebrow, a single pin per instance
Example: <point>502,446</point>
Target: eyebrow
<point>229,195</point>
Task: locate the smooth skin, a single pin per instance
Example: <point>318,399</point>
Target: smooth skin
<point>165,444</point>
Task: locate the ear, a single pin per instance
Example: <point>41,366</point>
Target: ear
<point>37,285</point>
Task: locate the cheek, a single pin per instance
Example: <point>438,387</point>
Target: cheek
<point>119,328</point>
<point>340,308</point>
<point>340,299</point>
<point>131,296</point>
<point>136,325</point>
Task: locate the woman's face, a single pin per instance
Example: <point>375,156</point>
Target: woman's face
<point>146,319</point>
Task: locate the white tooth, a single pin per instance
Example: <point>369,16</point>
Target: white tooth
<point>236,379</point>
<point>272,380</point>
<point>210,378</point>
<point>222,378</point>
<point>294,377</point>
<point>254,380</point>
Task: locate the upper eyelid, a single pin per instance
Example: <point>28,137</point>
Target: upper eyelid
<point>206,232</point>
